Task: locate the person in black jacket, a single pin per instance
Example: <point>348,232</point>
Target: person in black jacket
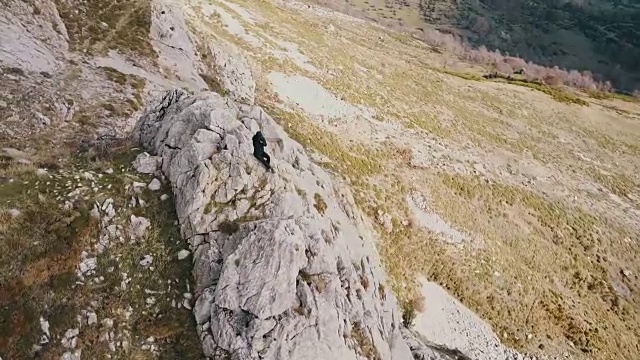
<point>259,143</point>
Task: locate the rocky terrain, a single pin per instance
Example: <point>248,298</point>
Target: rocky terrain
<point>414,212</point>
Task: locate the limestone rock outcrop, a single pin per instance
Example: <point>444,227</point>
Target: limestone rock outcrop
<point>285,265</point>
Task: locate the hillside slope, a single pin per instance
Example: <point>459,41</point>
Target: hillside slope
<point>598,36</point>
<point>504,215</point>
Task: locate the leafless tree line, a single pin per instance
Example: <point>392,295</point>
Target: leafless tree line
<point>494,60</point>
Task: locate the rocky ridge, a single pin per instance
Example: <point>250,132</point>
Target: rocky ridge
<point>321,289</point>
<point>284,264</point>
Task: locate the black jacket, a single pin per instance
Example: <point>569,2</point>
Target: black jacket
<point>259,142</point>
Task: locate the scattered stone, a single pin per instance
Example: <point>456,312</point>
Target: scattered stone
<point>44,326</point>
<point>183,254</point>
<point>70,338</point>
<point>14,213</point>
<point>137,184</point>
<point>88,176</point>
<point>386,221</point>
<point>92,318</point>
<point>154,185</point>
<point>42,172</point>
<point>109,171</point>
<point>187,296</point>
<point>3,104</point>
<point>186,304</point>
<point>107,323</point>
<point>146,260</point>
<point>95,212</point>
<point>626,273</point>
<point>87,266</point>
<point>164,197</point>
<point>138,227</point>
<point>43,120</point>
<point>150,300</point>
<point>146,164</point>
<point>75,355</point>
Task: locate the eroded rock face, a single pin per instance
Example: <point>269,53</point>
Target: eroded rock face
<point>32,42</point>
<point>279,276</point>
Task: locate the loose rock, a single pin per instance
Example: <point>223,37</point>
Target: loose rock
<point>138,226</point>
<point>154,185</point>
<point>146,164</point>
<point>183,254</point>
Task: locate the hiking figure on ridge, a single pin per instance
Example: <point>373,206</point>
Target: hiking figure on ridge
<point>259,143</point>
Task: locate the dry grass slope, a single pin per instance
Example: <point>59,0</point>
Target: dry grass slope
<point>98,26</point>
<point>548,276</point>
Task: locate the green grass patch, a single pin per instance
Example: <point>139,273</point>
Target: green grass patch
<point>556,93</point>
<point>462,75</point>
<point>606,95</point>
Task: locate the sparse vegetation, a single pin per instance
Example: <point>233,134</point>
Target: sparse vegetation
<point>229,227</point>
<point>463,75</point>
<point>315,280</point>
<point>41,250</point>
<point>618,184</point>
<point>214,84</point>
<point>578,241</point>
<point>96,26</point>
<point>556,93</point>
<point>319,204</point>
<point>473,23</point>
<point>364,344</point>
<point>410,309</point>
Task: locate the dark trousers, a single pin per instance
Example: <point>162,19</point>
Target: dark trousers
<point>264,158</point>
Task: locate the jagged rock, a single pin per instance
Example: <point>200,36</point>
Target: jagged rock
<point>385,220</point>
<point>16,155</point>
<point>44,326</point>
<point>146,164</point>
<point>32,48</point>
<point>70,338</point>
<point>276,279</point>
<point>234,72</point>
<point>92,318</point>
<point>138,227</point>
